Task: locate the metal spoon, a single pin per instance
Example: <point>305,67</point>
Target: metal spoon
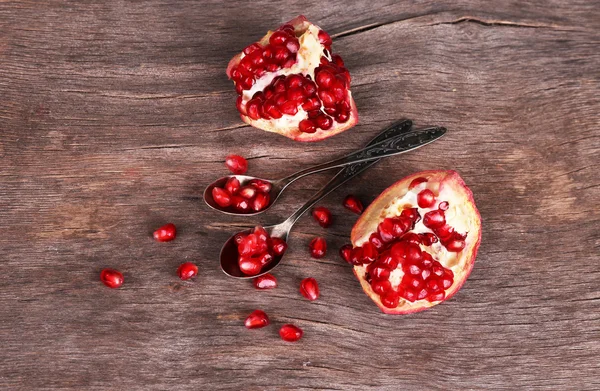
<point>379,149</point>
<point>408,141</point>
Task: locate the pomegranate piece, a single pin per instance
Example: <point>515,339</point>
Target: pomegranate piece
<point>166,233</point>
<point>111,278</point>
<point>236,164</point>
<point>309,289</point>
<point>318,247</point>
<point>256,320</point>
<point>353,204</point>
<point>221,197</point>
<point>394,258</point>
<point>257,249</point>
<point>323,216</point>
<point>187,270</point>
<point>290,333</point>
<point>290,83</point>
<point>266,281</point>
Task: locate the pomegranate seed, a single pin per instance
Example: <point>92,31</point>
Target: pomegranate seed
<point>236,164</point>
<point>248,245</point>
<point>292,45</point>
<point>375,239</point>
<point>266,281</point>
<point>386,230</point>
<point>111,278</point>
<point>455,246</point>
<point>294,81</point>
<point>437,296</point>
<point>327,98</point>
<point>289,107</point>
<point>381,286</point>
<point>290,333</point>
<point>240,203</point>
<point>221,197</point>
<point>261,185</point>
<point>251,48</point>
<point>413,253</point>
<point>428,238</point>
<point>400,226</point>
<point>356,256</point>
<point>416,182</point>
<point>278,246</point>
<point>324,122</point>
<point>346,252</point>
<point>307,126</point>
<point>390,299</point>
<point>232,185</point>
<point>337,60</point>
<point>388,261</point>
<point>369,253</point>
<point>425,198</point>
<point>444,205</point>
<point>253,111</point>
<point>324,79</point>
<point>318,247</point>
<point>187,270</point>
<point>342,116</point>
<point>310,89</point>
<point>249,266</point>
<point>260,202</point>
<point>165,233</point>
<point>399,251</point>
<point>323,216</point>
<point>379,271</point>
<point>256,320</point>
<point>434,219</point>
<point>247,192</point>
<point>309,289</point>
<point>278,38</point>
<point>412,214</point>
<point>353,204</point>
<point>264,259</point>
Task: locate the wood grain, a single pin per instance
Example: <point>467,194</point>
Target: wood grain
<point>114,116</point>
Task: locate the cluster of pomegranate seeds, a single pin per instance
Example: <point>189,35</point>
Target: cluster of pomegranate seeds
<point>257,249</point>
<point>353,204</point>
<point>266,281</point>
<point>318,247</point>
<point>309,289</point>
<point>290,333</point>
<point>111,278</point>
<point>166,233</point>
<point>187,270</point>
<point>252,197</point>
<point>236,164</point>
<point>323,216</point>
<point>257,320</point>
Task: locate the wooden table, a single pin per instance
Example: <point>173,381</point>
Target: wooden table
<point>115,115</point>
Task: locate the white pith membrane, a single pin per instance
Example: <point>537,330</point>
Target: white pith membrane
<point>308,59</point>
<point>461,215</point>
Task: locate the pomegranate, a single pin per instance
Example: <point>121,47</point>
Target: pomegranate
<point>353,204</point>
<point>187,270</point>
<point>266,281</point>
<point>236,164</point>
<point>257,320</point>
<point>318,247</point>
<point>111,278</point>
<point>323,216</point>
<point>291,83</point>
<point>309,289</point>
<point>257,249</point>
<point>165,233</point>
<point>249,198</point>
<point>406,263</point>
<point>290,333</point>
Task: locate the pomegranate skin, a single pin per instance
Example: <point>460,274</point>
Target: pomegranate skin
<point>368,221</point>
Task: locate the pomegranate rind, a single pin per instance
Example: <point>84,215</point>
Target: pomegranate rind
<point>449,182</point>
<point>301,25</point>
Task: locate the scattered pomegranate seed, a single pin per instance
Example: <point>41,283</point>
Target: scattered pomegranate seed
<point>309,288</point>
<point>290,333</point>
<point>323,216</point>
<point>165,233</point>
<point>187,270</point>
<point>266,281</point>
<point>318,247</point>
<point>111,278</point>
<point>257,320</point>
<point>353,204</point>
<point>236,164</point>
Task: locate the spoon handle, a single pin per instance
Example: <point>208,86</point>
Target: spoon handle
<point>388,147</point>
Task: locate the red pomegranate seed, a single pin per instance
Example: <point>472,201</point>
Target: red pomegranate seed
<point>324,79</point>
<point>318,247</point>
<point>237,164</point>
<point>264,259</point>
<point>278,246</point>
<point>165,233</point>
<point>111,278</point>
<point>309,289</point>
<point>444,205</point>
<point>266,281</point>
<point>307,126</point>
<point>327,98</point>
<point>353,204</point>
<point>289,107</point>
<point>381,286</point>
<point>221,197</point>
<point>390,299</point>
<point>290,333</point>
<point>278,38</point>
<point>323,216</point>
<point>249,266</point>
<point>388,261</point>
<point>416,182</point>
<point>428,238</point>
<point>260,202</point>
<point>251,48</point>
<point>455,245</point>
<point>434,219</point>
<point>261,185</point>
<point>232,185</point>
<point>247,192</point>
<point>375,239</point>
<point>369,253</point>
<point>425,198</point>
<point>240,203</point>
<point>256,320</point>
<point>379,271</point>
<point>324,122</point>
<point>324,38</point>
<point>346,252</point>
<point>187,270</point>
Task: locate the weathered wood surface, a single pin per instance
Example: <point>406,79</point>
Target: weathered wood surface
<point>114,115</point>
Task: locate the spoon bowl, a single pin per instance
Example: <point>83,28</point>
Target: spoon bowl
<point>274,193</point>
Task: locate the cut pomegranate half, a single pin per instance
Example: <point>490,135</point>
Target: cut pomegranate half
<point>290,83</point>
<point>406,263</point>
